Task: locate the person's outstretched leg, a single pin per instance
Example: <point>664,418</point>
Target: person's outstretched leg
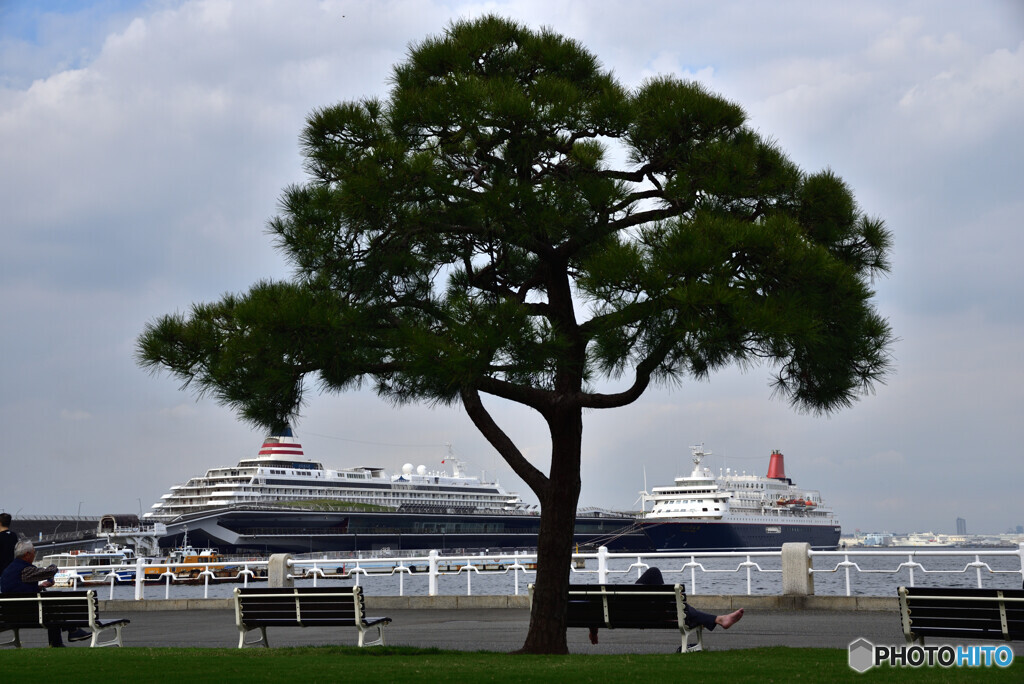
<point>729,619</point>
<point>708,621</point>
<point>698,618</point>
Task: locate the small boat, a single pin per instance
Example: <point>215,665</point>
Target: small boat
<point>100,566</point>
<point>183,565</point>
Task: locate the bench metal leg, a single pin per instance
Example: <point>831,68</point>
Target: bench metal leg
<point>114,641</point>
<point>16,641</point>
<point>687,631</point>
<point>379,641</point>
<point>242,643</point>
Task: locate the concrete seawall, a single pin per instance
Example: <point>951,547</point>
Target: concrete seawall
<point>719,603</point>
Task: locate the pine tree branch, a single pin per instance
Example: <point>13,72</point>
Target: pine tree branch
<point>483,421</point>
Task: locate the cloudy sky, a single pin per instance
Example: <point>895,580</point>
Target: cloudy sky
<point>144,145</point>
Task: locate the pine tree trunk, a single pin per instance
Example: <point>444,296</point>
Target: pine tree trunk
<point>555,540</point>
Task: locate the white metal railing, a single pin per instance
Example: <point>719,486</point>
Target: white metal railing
<point>699,571</point>
<point>144,572</point>
<point>911,562</point>
<point>434,566</point>
<point>689,562</point>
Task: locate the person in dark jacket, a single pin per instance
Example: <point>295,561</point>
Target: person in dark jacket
<point>8,538</point>
<point>22,577</point>
<point>694,617</point>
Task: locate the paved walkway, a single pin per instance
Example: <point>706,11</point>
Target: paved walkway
<point>505,629</point>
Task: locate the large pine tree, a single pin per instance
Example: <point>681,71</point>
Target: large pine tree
<point>514,223</point>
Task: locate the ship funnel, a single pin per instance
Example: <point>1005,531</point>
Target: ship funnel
<point>776,467</point>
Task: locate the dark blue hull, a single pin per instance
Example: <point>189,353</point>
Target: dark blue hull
<point>707,535</point>
<point>251,530</point>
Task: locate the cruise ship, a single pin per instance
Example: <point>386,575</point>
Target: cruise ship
<point>704,512</point>
<point>281,501</point>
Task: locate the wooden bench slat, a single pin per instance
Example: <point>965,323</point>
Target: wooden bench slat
<point>980,634</point>
<point>281,622</point>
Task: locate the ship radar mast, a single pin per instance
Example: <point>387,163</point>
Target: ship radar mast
<point>457,463</point>
<point>698,454</point>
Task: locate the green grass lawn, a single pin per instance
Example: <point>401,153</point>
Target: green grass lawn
<point>423,666</point>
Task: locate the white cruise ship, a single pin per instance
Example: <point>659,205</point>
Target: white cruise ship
<point>282,502</point>
<point>280,474</point>
<point>737,511</point>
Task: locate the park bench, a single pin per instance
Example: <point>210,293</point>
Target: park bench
<point>631,606</point>
<point>260,608</point>
<point>962,613</point>
<point>64,609</point>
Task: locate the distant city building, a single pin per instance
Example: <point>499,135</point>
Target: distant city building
<point>961,526</point>
<point>1020,529</point>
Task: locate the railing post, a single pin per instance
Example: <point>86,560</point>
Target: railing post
<point>279,572</point>
<point>515,570</point>
<point>602,565</point>
<point>1021,553</point>
<point>140,576</point>
<point>432,572</point>
<point>797,579</point>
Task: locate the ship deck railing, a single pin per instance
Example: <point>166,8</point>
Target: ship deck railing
<point>180,518</point>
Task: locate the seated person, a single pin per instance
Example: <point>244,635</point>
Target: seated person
<point>694,617</point>
<point>20,576</point>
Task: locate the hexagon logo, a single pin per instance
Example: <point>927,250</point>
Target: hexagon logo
<point>862,655</point>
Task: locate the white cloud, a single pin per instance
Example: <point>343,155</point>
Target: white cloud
<point>885,459</point>
<point>179,411</point>
<point>977,100</point>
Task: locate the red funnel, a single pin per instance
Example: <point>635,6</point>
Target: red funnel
<point>776,467</point>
